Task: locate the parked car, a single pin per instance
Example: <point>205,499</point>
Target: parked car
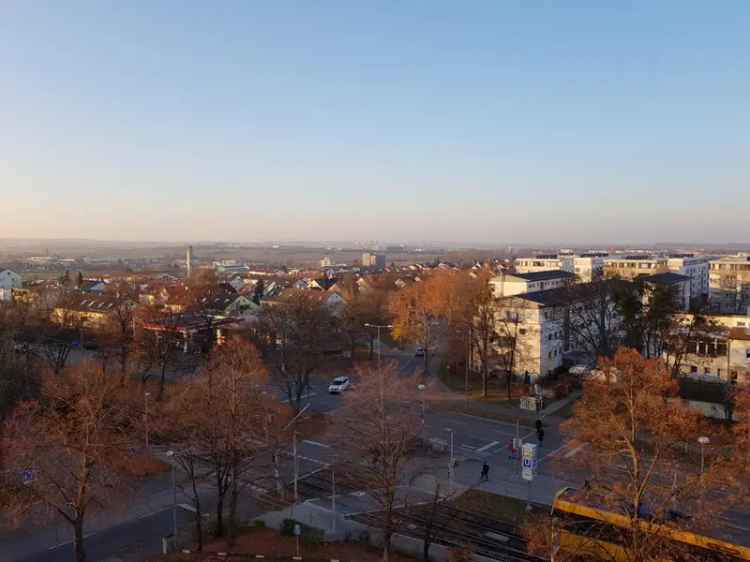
<point>419,352</point>
<point>339,384</point>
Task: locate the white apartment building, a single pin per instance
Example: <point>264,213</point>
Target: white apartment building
<point>509,284</point>
<point>9,280</point>
<point>632,266</point>
<point>723,354</point>
<point>544,262</point>
<point>696,267</point>
<point>536,322</point>
<point>588,266</point>
<point>729,284</point>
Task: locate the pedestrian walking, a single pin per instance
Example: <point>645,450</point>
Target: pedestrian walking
<point>485,472</point>
<point>511,450</point>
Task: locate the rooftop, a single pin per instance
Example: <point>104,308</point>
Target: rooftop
<point>666,278</point>
<point>544,275</point>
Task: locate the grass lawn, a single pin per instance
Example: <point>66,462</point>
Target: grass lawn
<point>503,508</point>
<point>272,545</point>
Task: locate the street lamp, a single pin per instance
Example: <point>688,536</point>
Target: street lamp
<point>378,327</point>
<point>703,440</point>
<point>452,460</point>
<point>171,454</point>
<point>146,396</point>
<point>421,388</point>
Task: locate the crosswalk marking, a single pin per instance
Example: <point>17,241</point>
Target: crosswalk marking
<point>487,446</point>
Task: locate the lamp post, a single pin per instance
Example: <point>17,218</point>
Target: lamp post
<point>146,396</point>
<point>171,454</point>
<point>378,327</point>
<point>422,388</point>
<point>703,440</point>
<point>451,467</point>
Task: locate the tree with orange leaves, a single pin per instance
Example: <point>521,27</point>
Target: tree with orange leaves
<point>639,446</point>
<point>70,451</point>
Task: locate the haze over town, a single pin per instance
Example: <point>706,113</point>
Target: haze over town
<point>362,282</point>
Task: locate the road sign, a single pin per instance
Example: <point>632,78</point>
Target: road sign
<point>297,530</point>
<point>27,476</point>
<point>529,403</point>
<point>528,461</point>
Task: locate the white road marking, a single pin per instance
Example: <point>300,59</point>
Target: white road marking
<point>310,395</point>
<point>187,507</point>
<point>316,461</point>
<point>487,446</point>
<point>575,451</point>
<point>316,444</point>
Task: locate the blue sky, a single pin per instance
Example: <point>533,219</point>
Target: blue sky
<point>454,121</point>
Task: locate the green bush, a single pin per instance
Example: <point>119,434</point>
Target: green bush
<point>259,524</point>
<point>309,534</point>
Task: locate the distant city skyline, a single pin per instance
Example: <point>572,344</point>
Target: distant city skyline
<point>493,123</point>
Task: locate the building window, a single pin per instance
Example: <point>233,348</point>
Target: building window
<point>549,355</point>
<point>718,373</point>
<point>693,369</point>
<point>706,371</point>
<point>522,331</point>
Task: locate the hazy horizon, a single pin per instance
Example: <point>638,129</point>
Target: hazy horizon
<point>486,123</point>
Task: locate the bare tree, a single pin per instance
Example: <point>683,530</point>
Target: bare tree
<point>594,321</point>
<point>376,433</point>
<point>72,445</point>
<point>295,331</point>
<point>220,418</point>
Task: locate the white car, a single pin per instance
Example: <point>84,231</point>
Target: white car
<point>339,384</point>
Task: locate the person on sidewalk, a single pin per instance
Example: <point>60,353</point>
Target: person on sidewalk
<point>485,473</point>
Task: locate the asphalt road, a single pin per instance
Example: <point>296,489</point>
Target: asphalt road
<point>133,540</point>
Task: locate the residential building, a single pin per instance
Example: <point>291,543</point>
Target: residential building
<point>544,262</point>
<point>9,280</point>
<point>729,284</point>
<point>88,311</point>
<point>509,284</point>
<point>588,266</point>
<point>722,352</point>
<point>530,331</point>
<point>373,260</point>
<point>633,266</point>
<point>679,283</point>
<point>696,267</point>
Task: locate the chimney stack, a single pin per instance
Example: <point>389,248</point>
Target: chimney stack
<point>189,261</point>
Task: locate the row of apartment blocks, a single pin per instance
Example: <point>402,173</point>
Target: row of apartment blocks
<point>536,330</point>
<point>721,282</point>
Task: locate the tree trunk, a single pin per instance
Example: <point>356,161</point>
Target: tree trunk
<point>220,515</point>
<point>78,547</point>
<point>198,515</point>
<point>277,474</point>
<point>233,500</point>
<point>162,381</point>
<point>387,545</point>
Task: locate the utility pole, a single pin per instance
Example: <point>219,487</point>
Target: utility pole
<point>296,465</point>
<point>146,396</point>
<point>452,462</point>
<point>333,499</point>
<point>378,327</point>
<point>171,454</point>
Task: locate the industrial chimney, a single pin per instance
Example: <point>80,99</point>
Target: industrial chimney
<point>189,261</point>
